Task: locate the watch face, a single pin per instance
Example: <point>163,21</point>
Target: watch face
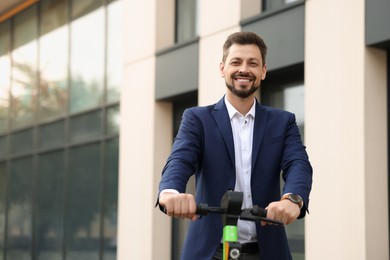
<point>295,198</point>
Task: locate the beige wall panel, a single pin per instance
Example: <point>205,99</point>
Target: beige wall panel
<point>377,217</point>
<point>136,171</point>
<point>211,85</point>
<point>139,30</point>
<point>217,15</point>
<point>334,129</point>
<point>163,142</point>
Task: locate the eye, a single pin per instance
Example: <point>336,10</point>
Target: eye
<point>234,63</point>
<point>254,64</point>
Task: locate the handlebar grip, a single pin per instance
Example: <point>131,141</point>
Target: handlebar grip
<point>257,211</point>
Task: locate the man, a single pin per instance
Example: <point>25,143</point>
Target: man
<point>238,144</point>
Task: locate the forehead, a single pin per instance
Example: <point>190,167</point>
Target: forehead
<point>247,51</point>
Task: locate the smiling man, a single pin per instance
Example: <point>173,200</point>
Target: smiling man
<point>238,144</point>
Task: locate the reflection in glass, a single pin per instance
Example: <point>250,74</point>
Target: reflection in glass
<point>111,200</point>
<point>87,61</point>
<point>50,203</point>
<point>5,72</point>
<point>24,70</point>
<point>3,146</point>
<point>186,20</point>
<point>22,141</point>
<point>3,179</point>
<point>83,230</point>
<point>83,7</point>
<point>114,50</point>
<point>51,134</point>
<point>19,221</point>
<point>113,120</point>
<point>86,126</point>
<point>53,60</point>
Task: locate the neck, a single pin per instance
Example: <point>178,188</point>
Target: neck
<point>243,105</point>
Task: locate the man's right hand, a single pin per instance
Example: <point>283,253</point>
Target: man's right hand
<point>180,205</point>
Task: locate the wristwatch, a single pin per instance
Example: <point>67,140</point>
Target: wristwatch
<point>293,198</point>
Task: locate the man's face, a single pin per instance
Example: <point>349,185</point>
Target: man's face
<point>243,70</point>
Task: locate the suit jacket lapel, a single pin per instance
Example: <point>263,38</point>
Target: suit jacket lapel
<point>221,116</point>
<point>258,131</point>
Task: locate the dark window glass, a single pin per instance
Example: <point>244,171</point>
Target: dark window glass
<point>3,146</point>
<point>111,200</point>
<point>180,226</point>
<point>3,179</point>
<point>53,61</point>
<point>51,134</point>
<point>22,141</point>
<point>275,4</point>
<point>50,203</point>
<point>290,97</point>
<point>5,78</point>
<point>19,222</point>
<point>86,126</point>
<point>83,218</point>
<point>114,51</point>
<point>185,20</point>
<point>113,120</point>
<point>24,68</point>
<point>87,61</point>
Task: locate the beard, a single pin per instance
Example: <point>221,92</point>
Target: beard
<point>242,93</point>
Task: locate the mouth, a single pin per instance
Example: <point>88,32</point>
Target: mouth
<point>243,80</point>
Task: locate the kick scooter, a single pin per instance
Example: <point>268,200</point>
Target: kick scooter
<point>231,211</point>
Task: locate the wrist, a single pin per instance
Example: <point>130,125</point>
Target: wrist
<point>295,198</point>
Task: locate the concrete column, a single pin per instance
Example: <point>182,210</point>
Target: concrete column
<point>346,135</point>
<point>145,140</point>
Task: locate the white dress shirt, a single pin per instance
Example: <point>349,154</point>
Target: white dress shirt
<point>242,127</point>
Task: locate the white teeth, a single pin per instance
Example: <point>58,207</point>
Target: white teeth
<point>244,80</point>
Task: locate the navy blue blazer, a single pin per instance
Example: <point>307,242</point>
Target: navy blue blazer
<point>204,147</point>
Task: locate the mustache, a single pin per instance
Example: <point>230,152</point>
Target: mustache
<point>245,75</point>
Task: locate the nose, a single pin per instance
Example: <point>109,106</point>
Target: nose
<point>243,68</point>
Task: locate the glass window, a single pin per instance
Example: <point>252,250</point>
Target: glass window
<point>50,204</point>
<point>83,230</point>
<point>113,120</point>
<point>5,79</point>
<point>86,126</point>
<point>114,50</point>
<point>3,183</point>
<point>291,98</point>
<point>185,20</point>
<point>24,70</point>
<point>3,146</point>
<point>19,221</point>
<point>87,61</point>
<point>275,4</point>
<point>53,61</point>
<point>51,134</point>
<point>111,200</point>
<point>80,8</point>
<point>22,141</point>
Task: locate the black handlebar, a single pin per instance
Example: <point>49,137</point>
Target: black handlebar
<point>254,213</point>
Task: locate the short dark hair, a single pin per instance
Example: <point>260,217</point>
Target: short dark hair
<point>244,38</point>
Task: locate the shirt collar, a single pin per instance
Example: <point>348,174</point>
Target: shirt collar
<point>232,111</point>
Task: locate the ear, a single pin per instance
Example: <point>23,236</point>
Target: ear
<point>221,68</point>
<point>264,72</point>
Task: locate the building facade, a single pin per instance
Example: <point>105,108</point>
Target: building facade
<point>78,183</point>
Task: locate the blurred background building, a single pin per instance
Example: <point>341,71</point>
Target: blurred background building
<point>91,97</point>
